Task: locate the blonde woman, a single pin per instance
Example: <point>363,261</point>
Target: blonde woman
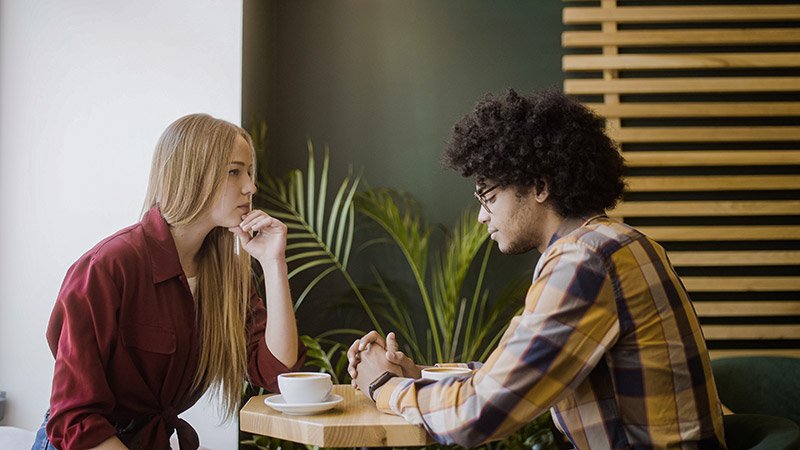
<point>162,311</point>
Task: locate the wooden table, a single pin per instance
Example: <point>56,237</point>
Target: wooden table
<point>353,423</point>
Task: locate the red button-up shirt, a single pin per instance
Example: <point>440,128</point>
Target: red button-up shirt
<point>126,344</point>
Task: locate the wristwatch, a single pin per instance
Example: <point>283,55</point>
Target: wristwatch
<point>380,381</point>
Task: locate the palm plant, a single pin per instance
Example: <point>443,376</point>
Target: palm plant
<point>320,242</point>
<point>320,235</point>
<point>456,327</point>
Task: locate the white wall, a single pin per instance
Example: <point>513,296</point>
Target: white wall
<point>86,87</point>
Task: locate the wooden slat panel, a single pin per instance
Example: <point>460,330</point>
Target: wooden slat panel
<point>689,158</point>
<point>736,258</point>
<point>751,331</point>
<point>664,14</point>
<point>643,38</point>
<point>741,284</point>
<point>722,233</point>
<point>680,61</point>
<point>707,208</point>
<point>682,85</point>
<point>705,134</point>
<point>727,353</point>
<point>746,309</point>
<point>713,183</point>
<point>709,109</point>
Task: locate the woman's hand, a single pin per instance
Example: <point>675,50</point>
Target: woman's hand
<point>268,242</point>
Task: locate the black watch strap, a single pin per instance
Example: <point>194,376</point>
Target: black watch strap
<point>380,381</point>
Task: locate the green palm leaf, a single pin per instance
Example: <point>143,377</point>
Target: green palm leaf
<point>312,242</point>
<point>449,273</point>
<point>408,231</point>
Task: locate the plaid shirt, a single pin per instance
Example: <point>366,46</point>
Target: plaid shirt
<point>608,339</point>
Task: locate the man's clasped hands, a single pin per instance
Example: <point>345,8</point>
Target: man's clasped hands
<point>370,356</point>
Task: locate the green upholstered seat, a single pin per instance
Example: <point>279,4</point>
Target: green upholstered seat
<point>761,432</point>
<point>759,385</point>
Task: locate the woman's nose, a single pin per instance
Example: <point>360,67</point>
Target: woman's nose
<point>249,188</point>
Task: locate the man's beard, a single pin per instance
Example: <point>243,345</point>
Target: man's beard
<point>518,248</point>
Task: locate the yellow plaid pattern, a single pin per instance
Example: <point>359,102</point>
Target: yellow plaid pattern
<point>608,340</point>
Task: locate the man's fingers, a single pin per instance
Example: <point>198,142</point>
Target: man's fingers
<point>369,338</point>
<point>352,352</point>
<point>391,342</point>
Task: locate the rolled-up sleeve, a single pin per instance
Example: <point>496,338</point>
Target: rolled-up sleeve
<point>263,367</point>
<point>81,333</point>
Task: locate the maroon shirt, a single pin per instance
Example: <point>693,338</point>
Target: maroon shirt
<point>124,336</point>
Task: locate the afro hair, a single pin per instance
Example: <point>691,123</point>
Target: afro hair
<point>546,138</point>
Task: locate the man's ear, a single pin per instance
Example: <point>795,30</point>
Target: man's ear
<point>542,194</point>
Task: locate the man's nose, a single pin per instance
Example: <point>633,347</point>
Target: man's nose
<point>483,215</point>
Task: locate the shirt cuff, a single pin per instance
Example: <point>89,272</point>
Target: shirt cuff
<point>383,396</point>
<point>267,367</point>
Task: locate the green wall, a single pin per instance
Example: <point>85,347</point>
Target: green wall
<point>382,82</point>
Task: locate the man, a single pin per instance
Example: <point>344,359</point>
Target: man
<point>608,338</point>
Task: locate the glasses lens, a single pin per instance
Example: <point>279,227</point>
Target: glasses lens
<point>481,196</point>
<point>482,201</point>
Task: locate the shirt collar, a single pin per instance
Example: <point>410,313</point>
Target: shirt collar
<point>568,227</point>
<point>163,254</point>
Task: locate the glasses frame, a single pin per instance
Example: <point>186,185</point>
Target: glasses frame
<point>481,196</point>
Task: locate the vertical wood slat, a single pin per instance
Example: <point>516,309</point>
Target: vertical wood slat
<point>682,72</point>
<point>610,50</point>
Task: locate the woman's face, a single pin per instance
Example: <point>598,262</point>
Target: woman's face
<point>237,190</point>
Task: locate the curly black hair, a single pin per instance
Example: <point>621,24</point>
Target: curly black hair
<point>527,141</point>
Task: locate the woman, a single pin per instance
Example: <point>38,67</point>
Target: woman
<point>166,309</point>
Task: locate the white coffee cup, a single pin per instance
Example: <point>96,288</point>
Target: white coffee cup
<point>439,373</point>
<point>304,387</point>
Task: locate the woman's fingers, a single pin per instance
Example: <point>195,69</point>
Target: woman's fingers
<point>257,219</point>
<point>243,236</point>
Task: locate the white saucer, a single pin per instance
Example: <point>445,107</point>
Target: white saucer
<point>298,409</point>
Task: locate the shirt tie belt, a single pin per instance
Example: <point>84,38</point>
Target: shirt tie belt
<point>161,426</point>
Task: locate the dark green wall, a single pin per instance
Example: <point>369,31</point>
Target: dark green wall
<point>382,82</point>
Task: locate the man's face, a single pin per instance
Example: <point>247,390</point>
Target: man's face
<point>513,220</point>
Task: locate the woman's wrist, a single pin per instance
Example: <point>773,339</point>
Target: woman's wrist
<point>273,263</point>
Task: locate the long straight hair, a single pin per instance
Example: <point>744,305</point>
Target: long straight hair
<point>186,178</point>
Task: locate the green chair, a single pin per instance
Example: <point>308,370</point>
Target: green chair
<point>764,394</point>
<point>760,432</point>
<point>759,385</point>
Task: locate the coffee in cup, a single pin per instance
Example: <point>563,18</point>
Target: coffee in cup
<point>439,373</point>
<point>304,387</point>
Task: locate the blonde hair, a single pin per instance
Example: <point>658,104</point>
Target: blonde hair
<point>186,178</point>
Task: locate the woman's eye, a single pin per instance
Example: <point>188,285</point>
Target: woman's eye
<point>491,199</point>
<point>233,172</point>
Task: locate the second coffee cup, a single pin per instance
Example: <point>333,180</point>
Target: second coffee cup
<point>440,373</point>
<point>304,387</point>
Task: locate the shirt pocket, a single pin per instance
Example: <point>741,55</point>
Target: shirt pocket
<point>149,338</point>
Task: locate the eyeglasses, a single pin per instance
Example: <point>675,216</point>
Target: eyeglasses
<point>481,196</point>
